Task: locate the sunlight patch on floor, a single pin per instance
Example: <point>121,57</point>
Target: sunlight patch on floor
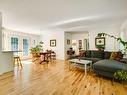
<point>26,62</point>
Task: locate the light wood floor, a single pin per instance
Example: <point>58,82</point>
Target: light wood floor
<point>56,79</point>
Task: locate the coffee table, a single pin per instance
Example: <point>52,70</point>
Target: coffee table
<point>81,64</point>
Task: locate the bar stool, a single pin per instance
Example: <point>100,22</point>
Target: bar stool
<point>17,60</point>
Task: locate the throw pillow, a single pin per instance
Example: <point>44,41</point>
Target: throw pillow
<point>82,53</point>
<point>113,55</point>
<point>118,56</point>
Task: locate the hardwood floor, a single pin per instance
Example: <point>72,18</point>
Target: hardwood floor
<point>56,79</point>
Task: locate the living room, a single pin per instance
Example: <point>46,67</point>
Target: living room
<point>58,26</point>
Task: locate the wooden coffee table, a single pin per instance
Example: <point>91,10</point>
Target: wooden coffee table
<point>81,64</point>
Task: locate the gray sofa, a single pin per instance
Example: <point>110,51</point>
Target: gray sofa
<point>108,67</point>
<point>102,65</point>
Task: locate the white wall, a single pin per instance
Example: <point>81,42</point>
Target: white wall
<point>111,43</point>
<point>74,36</point>
<point>68,36</point>
<point>124,30</point>
<point>6,58</point>
<point>7,34</point>
<point>59,36</point>
<point>124,35</point>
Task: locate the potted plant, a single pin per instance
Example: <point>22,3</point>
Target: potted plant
<point>120,75</point>
<point>124,43</point>
<point>36,50</point>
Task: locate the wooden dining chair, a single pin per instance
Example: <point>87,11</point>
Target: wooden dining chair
<point>53,56</point>
<point>49,55</point>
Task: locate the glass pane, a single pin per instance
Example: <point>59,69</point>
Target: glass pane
<point>25,47</point>
<point>14,44</point>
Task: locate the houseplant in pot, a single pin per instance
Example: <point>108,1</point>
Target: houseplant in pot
<point>119,39</point>
<point>120,75</point>
<point>36,50</point>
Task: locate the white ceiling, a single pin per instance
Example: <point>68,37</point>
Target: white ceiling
<point>36,16</point>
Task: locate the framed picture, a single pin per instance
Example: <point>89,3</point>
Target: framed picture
<point>53,43</point>
<point>100,41</point>
<point>80,44</point>
<point>68,41</point>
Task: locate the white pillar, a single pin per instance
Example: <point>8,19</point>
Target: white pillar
<point>6,58</point>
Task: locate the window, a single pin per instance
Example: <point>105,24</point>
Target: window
<point>14,44</point>
<point>25,47</point>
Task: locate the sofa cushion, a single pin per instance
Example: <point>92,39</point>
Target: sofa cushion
<point>83,58</point>
<point>92,59</point>
<point>97,54</point>
<point>107,54</point>
<point>88,53</point>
